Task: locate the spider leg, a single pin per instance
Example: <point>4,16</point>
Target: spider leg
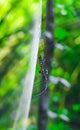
<point>44,73</point>
<point>42,92</point>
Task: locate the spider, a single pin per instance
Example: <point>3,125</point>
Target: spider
<point>44,72</point>
<point>42,69</point>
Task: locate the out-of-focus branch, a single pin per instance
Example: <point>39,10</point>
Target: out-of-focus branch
<point>48,53</point>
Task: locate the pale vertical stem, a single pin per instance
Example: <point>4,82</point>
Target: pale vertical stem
<point>24,106</point>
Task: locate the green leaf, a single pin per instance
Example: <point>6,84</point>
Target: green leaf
<point>61,33</point>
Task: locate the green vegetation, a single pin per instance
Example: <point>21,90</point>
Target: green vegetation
<point>16,22</point>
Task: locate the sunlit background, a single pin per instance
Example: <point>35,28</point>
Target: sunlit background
<point>16,23</point>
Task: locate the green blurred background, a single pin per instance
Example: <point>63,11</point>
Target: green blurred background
<point>16,22</point>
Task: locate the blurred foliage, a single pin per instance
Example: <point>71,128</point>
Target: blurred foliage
<point>16,21</point>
